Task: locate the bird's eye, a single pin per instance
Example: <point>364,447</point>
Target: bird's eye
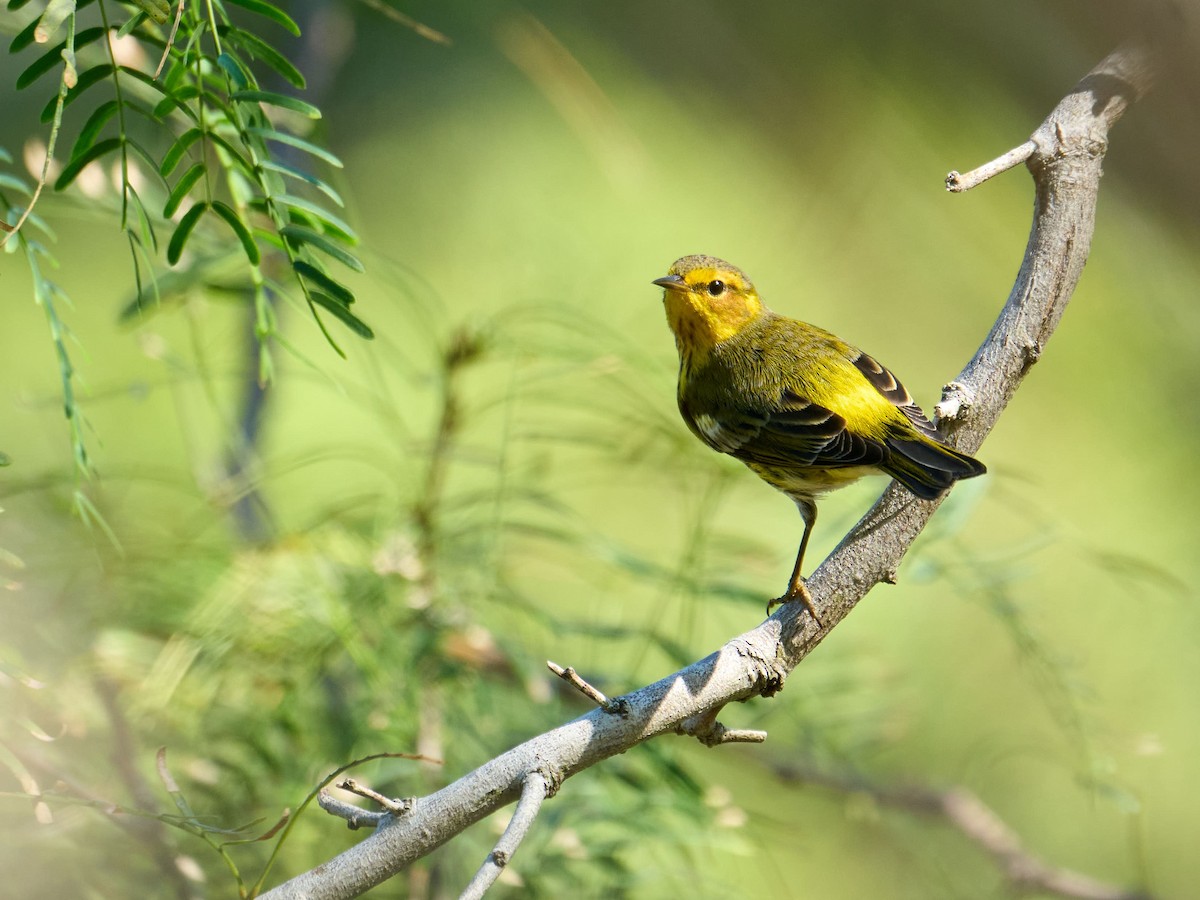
<point>716,288</point>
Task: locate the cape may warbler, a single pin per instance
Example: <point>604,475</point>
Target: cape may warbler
<point>803,409</point>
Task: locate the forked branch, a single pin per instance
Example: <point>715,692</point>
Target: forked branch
<point>536,789</point>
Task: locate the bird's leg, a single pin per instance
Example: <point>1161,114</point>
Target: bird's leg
<point>797,590</point>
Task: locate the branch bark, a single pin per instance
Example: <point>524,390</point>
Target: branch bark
<point>536,789</point>
<point>1066,167</point>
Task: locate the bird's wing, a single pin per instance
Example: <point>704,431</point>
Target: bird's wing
<point>796,432</point>
<point>921,462</point>
<point>890,387</point>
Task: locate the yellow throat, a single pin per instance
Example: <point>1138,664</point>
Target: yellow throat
<point>707,301</point>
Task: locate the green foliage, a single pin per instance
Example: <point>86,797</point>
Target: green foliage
<point>207,109</point>
<point>16,207</point>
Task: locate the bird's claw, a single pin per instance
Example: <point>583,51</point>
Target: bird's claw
<point>798,591</point>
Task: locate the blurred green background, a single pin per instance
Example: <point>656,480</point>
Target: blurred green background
<point>501,477</point>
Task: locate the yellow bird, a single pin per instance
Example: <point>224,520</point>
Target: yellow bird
<point>806,411</point>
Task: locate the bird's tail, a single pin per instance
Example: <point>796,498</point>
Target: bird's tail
<point>927,467</point>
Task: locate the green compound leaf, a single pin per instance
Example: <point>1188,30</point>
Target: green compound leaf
<point>15,184</point>
<point>298,235</point>
<point>235,155</point>
<point>318,213</point>
<point>53,58</point>
<point>177,150</point>
<point>87,78</point>
<point>270,134</point>
<point>185,183</point>
<point>91,128</point>
<point>283,101</point>
<point>347,318</point>
<point>323,282</point>
<point>301,175</point>
<point>24,37</point>
<point>237,73</point>
<point>131,24</point>
<point>274,13</point>
<point>183,231</point>
<point>147,158</point>
<point>227,213</point>
<point>259,49</point>
<point>75,166</point>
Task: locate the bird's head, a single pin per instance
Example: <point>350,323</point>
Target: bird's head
<point>707,301</point>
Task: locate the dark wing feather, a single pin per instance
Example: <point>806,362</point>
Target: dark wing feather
<point>799,432</point>
<point>921,462</point>
<point>889,385</point>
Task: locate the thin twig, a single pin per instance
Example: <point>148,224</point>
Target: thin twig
<point>964,811</point>
<point>170,39</point>
<point>707,730</point>
<point>536,789</point>
<point>395,806</point>
<point>957,183</point>
<point>430,34</point>
<point>355,816</point>
<point>465,347</point>
<point>571,677</point>
<point>957,398</point>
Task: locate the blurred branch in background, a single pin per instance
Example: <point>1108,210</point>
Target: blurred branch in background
<point>1066,168</point>
<point>326,37</point>
<point>962,810</point>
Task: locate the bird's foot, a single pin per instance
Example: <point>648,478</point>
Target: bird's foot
<point>798,591</point>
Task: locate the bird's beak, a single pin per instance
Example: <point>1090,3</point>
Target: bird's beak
<point>671,283</point>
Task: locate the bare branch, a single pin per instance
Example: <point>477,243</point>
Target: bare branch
<point>716,734</point>
<point>957,183</point>
<point>355,816</point>
<point>707,730</point>
<point>1065,166</point>
<point>571,677</point>
<point>1025,871</point>
<point>536,789</point>
<point>430,34</point>
<point>395,806</point>
<point>964,811</point>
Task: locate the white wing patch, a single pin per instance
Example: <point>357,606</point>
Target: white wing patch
<point>717,436</point>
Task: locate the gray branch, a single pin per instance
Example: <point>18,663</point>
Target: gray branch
<point>1066,166</point>
<point>355,817</point>
<point>962,810</point>
<point>536,789</point>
